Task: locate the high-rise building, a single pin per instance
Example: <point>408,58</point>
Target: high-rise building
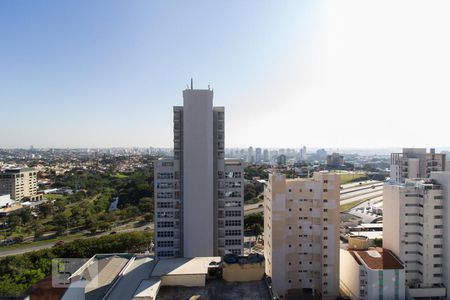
<point>415,228</point>
<point>266,155</point>
<point>301,234</point>
<point>198,194</point>
<point>416,163</point>
<point>258,155</point>
<point>20,183</point>
<point>250,155</point>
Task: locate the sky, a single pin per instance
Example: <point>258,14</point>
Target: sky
<point>105,73</point>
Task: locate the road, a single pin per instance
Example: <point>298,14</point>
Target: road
<point>30,248</point>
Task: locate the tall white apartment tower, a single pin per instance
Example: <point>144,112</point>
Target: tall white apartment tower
<point>198,194</point>
<point>416,163</point>
<point>416,229</point>
<point>301,235</point>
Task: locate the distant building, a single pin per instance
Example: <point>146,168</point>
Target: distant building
<point>335,160</point>
<point>199,196</point>
<point>415,228</point>
<point>371,274</point>
<point>266,157</point>
<point>258,155</point>
<point>250,155</point>
<point>416,163</point>
<point>321,154</point>
<point>301,234</point>
<point>281,160</point>
<point>20,183</point>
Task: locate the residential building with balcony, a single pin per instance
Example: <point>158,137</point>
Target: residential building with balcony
<point>301,234</point>
<point>198,194</point>
<point>416,163</point>
<point>415,228</point>
<point>20,183</point>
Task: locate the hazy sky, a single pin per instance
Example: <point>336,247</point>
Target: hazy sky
<point>290,73</point>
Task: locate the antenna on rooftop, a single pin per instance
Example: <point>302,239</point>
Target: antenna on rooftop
<point>192,83</point>
<point>209,85</point>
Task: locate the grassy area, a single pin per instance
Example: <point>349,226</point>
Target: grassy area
<point>53,196</point>
<point>349,177</point>
<point>120,176</point>
<point>348,206</point>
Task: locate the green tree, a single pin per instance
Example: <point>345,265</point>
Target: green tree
<point>146,205</point>
<point>252,219</point>
<point>45,209</point>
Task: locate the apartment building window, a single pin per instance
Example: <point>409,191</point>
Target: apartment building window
<point>437,255</point>
<point>325,190</point>
<point>232,222</point>
<point>165,234</point>
<point>165,214</point>
<point>163,244</point>
<point>289,190</point>
<point>233,175</point>
<point>325,181</point>
<point>438,207</point>
<point>325,219</point>
<point>437,275</point>
<point>232,242</point>
<point>164,195</point>
<point>232,213</point>
<point>165,253</point>
<point>437,246</point>
<point>437,265</point>
<point>438,217</point>
<point>165,224</point>
<point>233,184</point>
<point>165,175</point>
<point>438,226</point>
<point>310,190</point>
<point>325,210</point>
<point>325,200</point>
<point>233,232</point>
<point>164,185</point>
<point>438,236</point>
<point>233,194</point>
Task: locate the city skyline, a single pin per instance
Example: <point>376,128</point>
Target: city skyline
<point>107,81</point>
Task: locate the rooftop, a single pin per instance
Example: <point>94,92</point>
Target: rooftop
<point>217,289</point>
<point>377,259</point>
<point>182,266</point>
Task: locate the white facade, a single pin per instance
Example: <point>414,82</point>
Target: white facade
<point>414,229</point>
<point>198,207</point>
<point>416,163</point>
<point>371,275</point>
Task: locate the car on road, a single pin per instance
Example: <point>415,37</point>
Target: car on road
<point>113,232</point>
<point>58,243</point>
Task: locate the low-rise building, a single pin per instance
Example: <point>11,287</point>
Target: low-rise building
<point>371,274</point>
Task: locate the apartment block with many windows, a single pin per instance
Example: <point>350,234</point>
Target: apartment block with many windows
<point>415,228</point>
<point>301,234</point>
<point>416,163</point>
<point>20,183</point>
<point>198,194</point>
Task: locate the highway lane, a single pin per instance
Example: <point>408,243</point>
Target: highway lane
<point>30,247</point>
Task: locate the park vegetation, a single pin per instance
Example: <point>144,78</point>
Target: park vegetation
<point>19,272</point>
